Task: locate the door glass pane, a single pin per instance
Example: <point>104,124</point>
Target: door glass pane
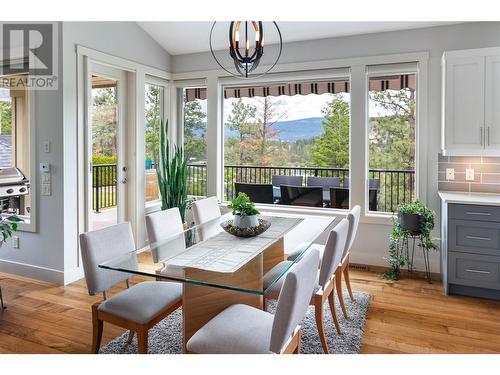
<point>15,147</point>
<point>154,112</point>
<point>391,140</point>
<point>104,132</point>
<point>195,139</point>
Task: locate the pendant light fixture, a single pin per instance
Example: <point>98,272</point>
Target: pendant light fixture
<point>246,47</point>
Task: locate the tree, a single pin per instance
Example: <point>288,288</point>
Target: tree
<point>392,135</point>
<point>152,122</point>
<point>331,149</point>
<point>268,113</point>
<point>242,120</point>
<point>6,118</point>
<point>104,121</point>
<point>195,131</point>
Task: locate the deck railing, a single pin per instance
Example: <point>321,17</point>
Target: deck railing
<point>396,186</point>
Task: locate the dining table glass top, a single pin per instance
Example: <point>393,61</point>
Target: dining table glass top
<point>209,256</point>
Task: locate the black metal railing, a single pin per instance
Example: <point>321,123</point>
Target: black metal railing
<point>103,186</point>
<point>396,186</point>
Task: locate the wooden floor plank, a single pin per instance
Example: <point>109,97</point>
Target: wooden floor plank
<point>407,316</point>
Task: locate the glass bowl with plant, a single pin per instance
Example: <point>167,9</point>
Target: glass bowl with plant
<point>244,211</point>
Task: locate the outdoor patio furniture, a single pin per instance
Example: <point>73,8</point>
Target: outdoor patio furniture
<point>339,198</point>
<point>278,180</point>
<point>301,196</point>
<point>373,183</point>
<point>325,182</point>
<point>258,193</point>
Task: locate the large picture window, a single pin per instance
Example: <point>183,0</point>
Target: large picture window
<point>288,143</point>
<point>392,119</point>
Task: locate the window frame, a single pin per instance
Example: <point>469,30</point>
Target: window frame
<point>295,77</point>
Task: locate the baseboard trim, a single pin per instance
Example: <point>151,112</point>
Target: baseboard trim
<point>404,271</point>
<point>49,275</point>
<point>73,275</point>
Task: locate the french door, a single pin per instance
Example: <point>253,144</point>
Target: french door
<point>106,144</point>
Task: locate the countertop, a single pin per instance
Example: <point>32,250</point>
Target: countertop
<point>470,198</point>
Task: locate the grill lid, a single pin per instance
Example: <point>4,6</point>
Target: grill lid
<point>11,176</point>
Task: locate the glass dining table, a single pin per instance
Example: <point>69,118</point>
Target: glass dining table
<point>218,269</point>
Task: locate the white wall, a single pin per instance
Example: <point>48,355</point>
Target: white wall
<point>52,252</point>
<point>372,243</point>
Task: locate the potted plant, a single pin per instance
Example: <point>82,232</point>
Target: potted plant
<point>412,219</point>
<point>244,211</point>
<point>172,174</point>
<point>7,226</point>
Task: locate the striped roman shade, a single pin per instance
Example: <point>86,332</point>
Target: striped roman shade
<point>393,82</point>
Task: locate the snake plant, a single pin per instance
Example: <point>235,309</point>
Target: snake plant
<point>172,173</point>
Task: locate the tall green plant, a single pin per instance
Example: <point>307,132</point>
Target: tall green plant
<point>172,173</point>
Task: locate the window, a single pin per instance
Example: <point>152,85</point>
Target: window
<point>195,138</point>
<point>392,119</point>
<point>15,141</point>
<point>288,143</point>
<point>154,113</point>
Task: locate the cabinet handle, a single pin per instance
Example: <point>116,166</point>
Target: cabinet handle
<point>478,213</point>
<point>478,271</point>
<point>478,238</point>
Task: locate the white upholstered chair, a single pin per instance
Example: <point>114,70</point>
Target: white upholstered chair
<point>166,237</point>
<point>137,308</point>
<point>204,211</point>
<point>353,218</point>
<point>326,276</point>
<point>242,329</point>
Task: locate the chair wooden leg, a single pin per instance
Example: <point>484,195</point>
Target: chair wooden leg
<point>297,348</point>
<point>130,337</point>
<point>347,280</point>
<point>2,307</point>
<point>318,309</point>
<point>331,301</point>
<point>142,341</point>
<point>97,327</point>
<point>338,286</point>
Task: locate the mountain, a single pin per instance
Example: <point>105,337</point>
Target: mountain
<point>292,130</point>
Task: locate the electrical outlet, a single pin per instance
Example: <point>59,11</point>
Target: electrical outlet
<point>46,189</point>
<point>450,173</point>
<point>46,147</point>
<point>15,242</point>
<point>469,174</point>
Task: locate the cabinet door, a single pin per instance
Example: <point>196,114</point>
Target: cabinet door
<point>464,105</point>
<point>492,103</point>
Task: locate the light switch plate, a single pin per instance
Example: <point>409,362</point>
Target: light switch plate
<point>450,173</point>
<point>46,147</point>
<point>46,189</point>
<point>469,174</point>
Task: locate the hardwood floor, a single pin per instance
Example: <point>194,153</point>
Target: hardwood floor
<point>408,316</point>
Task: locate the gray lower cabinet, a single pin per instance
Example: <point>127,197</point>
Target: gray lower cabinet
<point>473,250</point>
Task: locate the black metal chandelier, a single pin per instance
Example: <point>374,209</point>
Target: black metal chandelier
<point>246,47</point>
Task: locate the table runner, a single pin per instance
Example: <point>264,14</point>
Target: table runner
<point>227,253</point>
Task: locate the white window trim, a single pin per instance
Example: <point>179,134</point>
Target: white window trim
<point>358,194</point>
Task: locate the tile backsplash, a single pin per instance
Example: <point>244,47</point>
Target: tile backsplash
<point>486,174</point>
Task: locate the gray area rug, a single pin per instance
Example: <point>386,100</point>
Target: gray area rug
<point>166,336</point>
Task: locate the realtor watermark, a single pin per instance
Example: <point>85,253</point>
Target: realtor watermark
<point>29,55</point>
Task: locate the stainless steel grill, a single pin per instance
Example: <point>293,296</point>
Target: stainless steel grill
<point>13,187</point>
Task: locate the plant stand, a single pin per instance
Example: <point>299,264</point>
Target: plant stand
<point>409,255</point>
<point>2,306</point>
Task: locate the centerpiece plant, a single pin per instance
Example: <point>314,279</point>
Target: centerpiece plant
<point>244,211</point>
<point>412,219</point>
<point>172,174</point>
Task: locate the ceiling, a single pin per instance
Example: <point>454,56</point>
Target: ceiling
<point>180,38</point>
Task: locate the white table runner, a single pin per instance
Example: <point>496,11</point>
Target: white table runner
<point>227,253</point>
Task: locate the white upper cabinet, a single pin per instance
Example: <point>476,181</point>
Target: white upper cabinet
<point>492,103</point>
<point>471,102</point>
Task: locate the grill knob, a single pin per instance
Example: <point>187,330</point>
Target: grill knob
<point>10,191</point>
<point>22,190</point>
